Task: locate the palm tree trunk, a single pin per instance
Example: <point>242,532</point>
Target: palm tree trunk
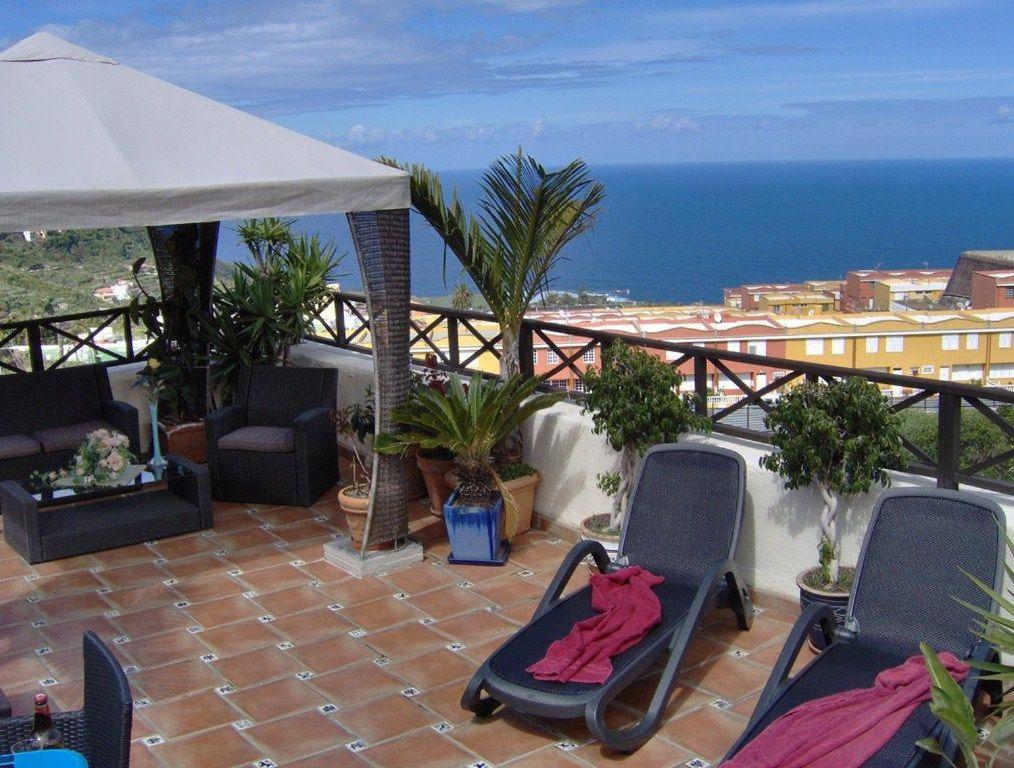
<point>512,447</point>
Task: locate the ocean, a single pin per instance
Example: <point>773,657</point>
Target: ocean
<point>682,232</point>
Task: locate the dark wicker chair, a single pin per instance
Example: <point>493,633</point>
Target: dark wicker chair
<point>682,523</point>
<point>906,589</point>
<point>100,731</point>
<point>276,444</point>
<point>46,416</point>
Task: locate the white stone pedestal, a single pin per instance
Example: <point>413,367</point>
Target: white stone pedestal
<point>343,554</point>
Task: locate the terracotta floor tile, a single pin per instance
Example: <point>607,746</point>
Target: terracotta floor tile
<point>729,677</point>
<point>139,598</point>
<point>708,732</point>
<point>68,696</point>
<point>339,757</point>
<point>297,736</point>
<point>190,715</point>
<point>283,515</point>
<point>406,641</point>
<point>309,551</point>
<point>446,702</point>
<point>20,639</point>
<point>434,668</point>
<point>249,538</point>
<point>162,649</point>
<point>16,589</point>
<point>274,578</point>
<point>15,670</point>
<point>67,564</point>
<point>183,677</point>
<point>234,522</point>
<point>207,588</point>
<point>140,757</point>
<point>520,613</point>
<point>763,631</point>
<point>352,591</point>
<point>239,637</point>
<point>746,707</point>
<point>302,530</point>
<point>184,546</point>
<point>17,612</point>
<point>68,584</point>
<point>67,634</point>
<point>323,571</point>
<point>477,573</point>
<point>479,653</point>
<point>547,757</point>
<point>354,685</point>
<point>421,578</point>
<point>218,748</point>
<point>423,749</point>
<point>196,567</point>
<point>73,606</point>
<point>384,718</point>
<point>114,558</point>
<point>576,730</point>
<point>245,669</point>
<point>682,699</point>
<point>153,621</point>
<point>502,737</point>
<point>509,589</point>
<point>657,753</point>
<point>133,575</point>
<point>539,557</point>
<point>476,627</point>
<point>227,610</point>
<point>271,700</point>
<point>332,653</point>
<point>257,559</point>
<point>65,665</point>
<point>14,567</point>
<point>315,624</point>
<point>382,613</point>
<point>292,600</point>
<point>446,602</point>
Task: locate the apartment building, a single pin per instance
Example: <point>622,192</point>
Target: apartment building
<point>752,297</point>
<point>860,289</point>
<point>796,303</point>
<point>994,288</point>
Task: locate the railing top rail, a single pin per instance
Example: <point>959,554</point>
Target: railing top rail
<point>88,315</point>
<point>935,386</point>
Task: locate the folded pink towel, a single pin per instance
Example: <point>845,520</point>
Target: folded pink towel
<point>628,611</point>
<point>846,729</point>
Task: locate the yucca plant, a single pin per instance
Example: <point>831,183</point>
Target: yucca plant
<point>948,700</point>
<point>469,421</point>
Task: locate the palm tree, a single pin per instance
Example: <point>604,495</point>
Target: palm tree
<point>462,297</point>
<point>526,216</point>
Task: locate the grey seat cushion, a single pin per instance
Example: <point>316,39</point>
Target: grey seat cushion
<point>15,446</point>
<point>259,439</point>
<point>70,436</point>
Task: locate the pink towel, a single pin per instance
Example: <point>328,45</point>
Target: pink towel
<point>629,609</point>
<point>845,730</point>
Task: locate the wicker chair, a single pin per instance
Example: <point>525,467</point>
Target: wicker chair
<point>100,731</point>
<point>276,444</point>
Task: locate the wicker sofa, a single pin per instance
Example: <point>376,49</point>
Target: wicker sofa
<point>47,415</point>
<point>276,443</point>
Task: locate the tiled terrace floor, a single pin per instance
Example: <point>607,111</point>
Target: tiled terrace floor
<point>243,644</point>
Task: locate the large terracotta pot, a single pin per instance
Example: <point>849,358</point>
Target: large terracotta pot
<point>184,439</point>
<point>433,472</point>
<point>356,510</point>
<point>522,489</point>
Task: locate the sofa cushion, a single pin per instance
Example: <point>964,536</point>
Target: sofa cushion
<point>259,439</point>
<point>70,436</point>
<point>15,446</point>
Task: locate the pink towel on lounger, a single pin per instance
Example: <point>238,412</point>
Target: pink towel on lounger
<point>628,611</point>
<point>846,729</point>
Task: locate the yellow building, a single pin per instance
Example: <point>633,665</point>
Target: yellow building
<point>807,303</point>
<point>895,290</point>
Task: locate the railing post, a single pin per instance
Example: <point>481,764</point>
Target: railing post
<point>453,350</point>
<point>128,334</point>
<point>948,440</point>
<point>525,347</point>
<point>701,384</point>
<point>339,322</point>
<point>35,347</point>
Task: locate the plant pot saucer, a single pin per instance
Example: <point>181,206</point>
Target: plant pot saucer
<point>498,560</point>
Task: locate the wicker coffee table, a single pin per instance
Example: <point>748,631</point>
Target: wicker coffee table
<point>49,525</point>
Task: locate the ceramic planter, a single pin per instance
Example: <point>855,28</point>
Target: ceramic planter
<point>522,489</point>
<point>433,472</point>
<point>611,542</point>
<point>838,602</point>
<point>474,532</point>
<point>356,509</point>
<point>184,439</point>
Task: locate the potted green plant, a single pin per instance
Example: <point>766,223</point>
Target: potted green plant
<point>469,422</point>
<point>635,401</point>
<point>434,464</point>
<point>841,437</point>
<point>355,424</point>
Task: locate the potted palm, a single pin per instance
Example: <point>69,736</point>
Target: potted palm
<point>841,437</point>
<point>469,422</point>
<point>635,401</point>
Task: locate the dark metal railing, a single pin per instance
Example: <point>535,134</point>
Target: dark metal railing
<point>44,343</point>
<point>456,339</point>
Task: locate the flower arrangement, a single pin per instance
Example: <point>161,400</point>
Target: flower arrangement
<point>150,379</point>
<point>100,461</point>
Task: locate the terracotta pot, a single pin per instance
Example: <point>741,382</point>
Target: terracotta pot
<point>356,509</point>
<point>611,542</point>
<point>838,602</point>
<point>184,439</point>
<point>433,472</point>
<point>522,489</point>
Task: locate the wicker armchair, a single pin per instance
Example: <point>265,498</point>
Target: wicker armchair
<point>276,444</point>
<point>100,731</point>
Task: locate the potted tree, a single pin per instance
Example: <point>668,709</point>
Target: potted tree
<point>469,422</point>
<point>842,437</point>
<point>635,401</point>
<point>355,425</point>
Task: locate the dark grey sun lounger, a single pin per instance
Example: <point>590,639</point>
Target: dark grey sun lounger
<point>682,523</point>
<point>909,576</point>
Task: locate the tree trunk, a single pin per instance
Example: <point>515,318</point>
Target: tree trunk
<point>511,448</point>
<point>829,525</point>
<point>628,465</point>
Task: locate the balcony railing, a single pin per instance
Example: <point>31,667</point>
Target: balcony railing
<point>460,339</point>
<point>463,340</point>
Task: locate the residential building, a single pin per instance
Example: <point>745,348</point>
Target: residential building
<point>807,303</point>
<point>993,288</point>
<point>749,297</point>
<point>860,286</point>
<point>906,292</point>
<point>959,288</point>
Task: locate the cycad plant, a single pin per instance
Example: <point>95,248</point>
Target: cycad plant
<point>469,421</point>
<point>948,700</point>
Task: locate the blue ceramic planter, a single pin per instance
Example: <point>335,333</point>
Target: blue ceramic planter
<point>474,532</point>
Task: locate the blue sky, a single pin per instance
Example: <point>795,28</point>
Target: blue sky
<point>453,83</point>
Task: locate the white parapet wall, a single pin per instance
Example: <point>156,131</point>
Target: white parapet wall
<point>781,528</point>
